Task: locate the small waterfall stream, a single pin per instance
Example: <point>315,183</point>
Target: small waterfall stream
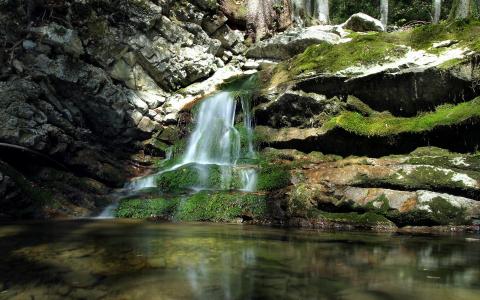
<point>215,141</point>
<point>216,144</point>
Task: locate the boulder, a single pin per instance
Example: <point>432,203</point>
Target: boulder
<point>59,36</point>
<point>361,22</point>
<point>292,42</point>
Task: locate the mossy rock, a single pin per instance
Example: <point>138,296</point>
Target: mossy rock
<point>202,206</point>
<point>386,124</point>
<point>146,208</point>
<point>358,220</point>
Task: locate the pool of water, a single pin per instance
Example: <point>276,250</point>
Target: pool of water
<point>120,259</point>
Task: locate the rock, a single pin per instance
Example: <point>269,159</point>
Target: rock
<point>212,24</point>
<point>59,36</point>
<point>361,22</point>
<point>292,42</point>
<point>444,44</point>
<point>136,117</point>
<point>147,125</point>
<point>295,108</point>
<point>28,44</point>
<point>401,188</point>
<point>228,37</point>
<point>235,11</point>
<point>251,65</point>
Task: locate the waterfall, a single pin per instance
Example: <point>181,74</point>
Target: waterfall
<point>384,13</point>
<point>216,144</point>
<point>215,139</point>
<point>437,11</point>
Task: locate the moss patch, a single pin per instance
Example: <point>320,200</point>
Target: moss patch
<point>202,206</point>
<point>385,124</point>
<point>369,219</point>
<point>146,208</point>
<point>362,50</point>
<point>376,48</point>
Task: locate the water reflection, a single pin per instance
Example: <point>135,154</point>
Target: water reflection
<point>116,259</point>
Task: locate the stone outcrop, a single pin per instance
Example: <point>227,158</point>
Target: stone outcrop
<point>89,85</point>
<point>362,22</point>
<point>427,187</point>
<point>294,41</point>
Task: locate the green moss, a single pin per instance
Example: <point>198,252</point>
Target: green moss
<point>357,105</point>
<point>444,213</point>
<point>376,48</point>
<point>362,50</point>
<point>192,175</point>
<point>383,208</point>
<point>273,176</point>
<point>385,124</point>
<point>146,208</point>
<point>368,219</point>
<point>443,158</point>
<point>221,206</point>
<point>427,178</point>
<point>202,206</point>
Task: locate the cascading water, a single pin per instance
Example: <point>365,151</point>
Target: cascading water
<point>216,145</point>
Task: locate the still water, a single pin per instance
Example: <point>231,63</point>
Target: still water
<point>119,259</point>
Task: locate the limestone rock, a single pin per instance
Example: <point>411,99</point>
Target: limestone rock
<point>57,35</point>
<point>292,42</point>
<point>362,22</point>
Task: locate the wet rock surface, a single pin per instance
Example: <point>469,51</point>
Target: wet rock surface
<point>90,82</point>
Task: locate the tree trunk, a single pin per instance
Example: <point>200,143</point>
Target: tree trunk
<point>384,12</point>
<point>264,17</point>
<point>437,11</point>
<point>323,11</point>
<point>462,9</point>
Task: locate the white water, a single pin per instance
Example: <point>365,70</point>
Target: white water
<point>215,142</point>
<point>384,13</point>
<point>215,139</point>
<point>437,11</point>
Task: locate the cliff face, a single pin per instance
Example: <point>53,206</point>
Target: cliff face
<point>87,83</point>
